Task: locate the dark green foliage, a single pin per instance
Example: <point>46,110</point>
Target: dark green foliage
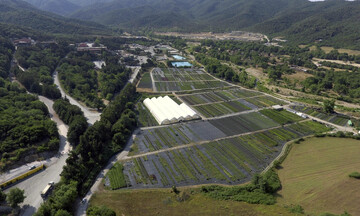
<point>63,213</point>
<point>61,201</point>
<point>83,82</point>
<point>40,64</point>
<point>15,197</point>
<point>355,175</point>
<point>297,209</point>
<point>100,211</point>
<point>2,196</point>
<point>72,116</point>
<point>24,125</point>
<point>329,106</point>
<point>258,192</point>
<point>98,143</point>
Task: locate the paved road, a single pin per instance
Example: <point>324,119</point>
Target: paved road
<point>91,115</point>
<point>34,185</point>
<point>134,74</point>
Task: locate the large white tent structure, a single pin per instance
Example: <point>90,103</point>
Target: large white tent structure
<point>167,111</point>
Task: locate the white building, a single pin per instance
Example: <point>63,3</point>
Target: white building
<point>167,111</point>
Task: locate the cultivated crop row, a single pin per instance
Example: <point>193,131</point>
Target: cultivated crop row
<point>228,161</point>
<point>218,96</point>
<point>194,132</point>
<point>264,101</point>
<point>186,86</point>
<point>180,75</point>
<point>281,117</point>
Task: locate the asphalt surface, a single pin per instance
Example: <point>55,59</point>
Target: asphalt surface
<point>91,115</point>
<point>35,184</point>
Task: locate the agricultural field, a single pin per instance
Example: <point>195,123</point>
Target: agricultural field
<point>115,178</point>
<point>227,161</point>
<point>162,202</point>
<point>145,81</point>
<point>281,117</point>
<point>315,175</point>
<point>180,75</point>
<point>333,118</point>
<point>218,96</point>
<point>188,86</point>
<point>264,101</point>
<point>223,102</point>
<point>180,79</point>
<point>219,109</point>
<point>199,131</point>
<point>145,118</point>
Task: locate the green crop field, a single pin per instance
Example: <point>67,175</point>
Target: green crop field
<point>116,177</point>
<point>145,81</point>
<point>281,117</point>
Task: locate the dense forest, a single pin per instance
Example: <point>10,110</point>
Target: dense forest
<point>81,80</point>
<point>20,13</point>
<point>96,147</point>
<point>39,63</point>
<point>25,127</point>
<point>72,116</point>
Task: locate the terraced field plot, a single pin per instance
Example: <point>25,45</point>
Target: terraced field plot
<point>229,161</point>
<point>218,96</point>
<point>333,118</point>
<point>145,81</point>
<point>180,79</point>
<point>223,102</point>
<point>219,109</point>
<point>195,132</point>
<point>264,101</point>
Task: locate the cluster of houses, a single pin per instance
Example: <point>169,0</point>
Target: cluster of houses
<point>90,47</point>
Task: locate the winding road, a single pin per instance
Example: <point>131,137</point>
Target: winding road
<point>35,184</point>
<point>90,114</point>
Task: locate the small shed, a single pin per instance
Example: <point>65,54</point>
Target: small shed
<point>277,107</point>
<point>350,123</point>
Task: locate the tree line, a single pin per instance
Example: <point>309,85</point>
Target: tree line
<point>73,117</point>
<point>97,145</point>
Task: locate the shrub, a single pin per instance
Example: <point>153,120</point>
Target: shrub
<point>354,175</point>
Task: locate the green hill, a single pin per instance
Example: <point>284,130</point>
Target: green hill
<point>62,7</point>
<point>23,14</point>
<point>300,21</point>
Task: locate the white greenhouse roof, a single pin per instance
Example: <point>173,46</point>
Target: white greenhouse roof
<point>167,111</point>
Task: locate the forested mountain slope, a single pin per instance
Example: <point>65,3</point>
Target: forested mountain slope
<point>62,7</point>
<point>23,14</point>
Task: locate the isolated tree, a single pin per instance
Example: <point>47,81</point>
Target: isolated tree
<point>15,197</point>
<point>329,106</point>
<point>100,211</point>
<point>62,212</point>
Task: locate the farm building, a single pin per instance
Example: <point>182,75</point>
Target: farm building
<point>166,111</point>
